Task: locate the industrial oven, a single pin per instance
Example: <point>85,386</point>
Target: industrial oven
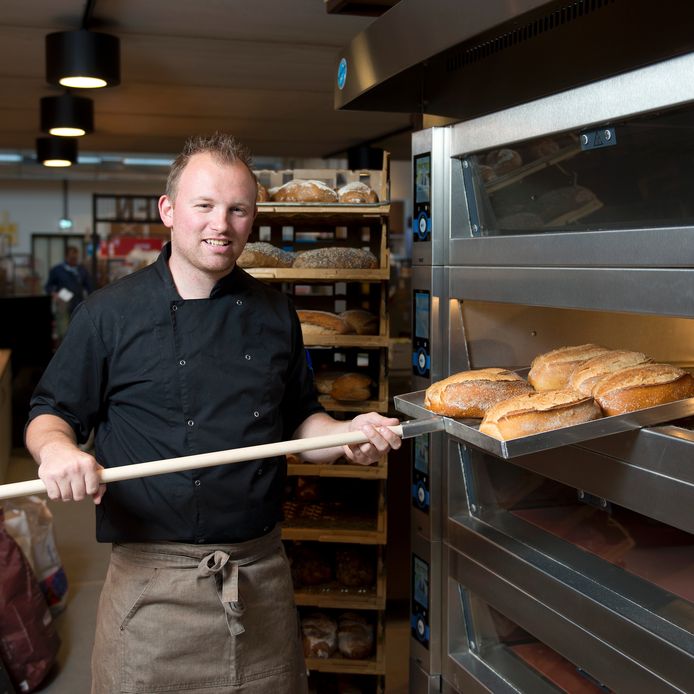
<point>563,564</point>
<point>556,211</point>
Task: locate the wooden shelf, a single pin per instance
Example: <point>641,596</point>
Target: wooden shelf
<point>291,274</point>
<point>365,341</point>
<point>334,596</point>
<point>359,406</point>
<point>336,211</point>
<point>308,530</point>
<point>575,215</point>
<point>347,666</point>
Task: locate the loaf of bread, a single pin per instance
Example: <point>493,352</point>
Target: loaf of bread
<point>262,254</point>
<point>552,370</point>
<point>585,376</point>
<point>558,202</point>
<point>310,566</point>
<point>337,257</point>
<point>543,148</point>
<point>355,636</point>
<point>262,194</point>
<point>299,190</point>
<point>486,172</point>
<point>351,387</point>
<point>322,323</point>
<point>472,393</point>
<point>307,489</point>
<point>534,413</point>
<point>319,635</point>
<point>324,380</point>
<point>360,321</point>
<point>356,193</point>
<point>504,161</point>
<point>354,567</point>
<point>646,385</point>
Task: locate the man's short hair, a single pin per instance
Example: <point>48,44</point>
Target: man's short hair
<point>225,148</point>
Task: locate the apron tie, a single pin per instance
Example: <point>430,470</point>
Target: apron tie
<point>226,576</point>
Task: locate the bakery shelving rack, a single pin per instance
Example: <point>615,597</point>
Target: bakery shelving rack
<point>297,227</point>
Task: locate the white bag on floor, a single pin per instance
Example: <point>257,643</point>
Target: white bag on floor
<point>43,552</point>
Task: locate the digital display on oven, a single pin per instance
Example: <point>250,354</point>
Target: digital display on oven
<point>421,217</point>
<point>419,618</point>
<point>421,360</point>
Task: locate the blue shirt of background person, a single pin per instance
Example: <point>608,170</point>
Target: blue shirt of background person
<point>72,276</point>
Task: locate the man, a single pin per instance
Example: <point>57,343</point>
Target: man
<point>190,355</point>
<point>71,278</point>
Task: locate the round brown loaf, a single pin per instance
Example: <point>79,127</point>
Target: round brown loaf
<point>362,322</point>
<point>299,190</point>
<point>262,194</point>
<point>534,413</point>
<point>552,370</point>
<point>585,376</point>
<point>324,380</point>
<point>322,323</point>
<point>504,160</point>
<point>338,258</point>
<point>356,193</point>
<point>472,393</point>
<point>351,387</point>
<point>355,636</point>
<point>646,385</point>
<point>319,634</point>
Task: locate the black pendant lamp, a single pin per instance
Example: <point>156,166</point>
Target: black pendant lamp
<point>67,115</point>
<point>83,59</point>
<point>56,151</point>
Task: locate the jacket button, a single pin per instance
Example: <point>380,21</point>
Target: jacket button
<point>182,362</point>
<point>256,414</point>
<point>197,483</point>
<point>239,302</point>
<point>191,423</point>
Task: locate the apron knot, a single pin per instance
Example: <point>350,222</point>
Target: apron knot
<point>219,565</point>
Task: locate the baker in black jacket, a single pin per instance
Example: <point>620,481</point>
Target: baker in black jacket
<point>190,355</point>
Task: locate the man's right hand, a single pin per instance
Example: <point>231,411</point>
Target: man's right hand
<point>68,472</point>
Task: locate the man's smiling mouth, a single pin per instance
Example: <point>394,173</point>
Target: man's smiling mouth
<point>217,242</point>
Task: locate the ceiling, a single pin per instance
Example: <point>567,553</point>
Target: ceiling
<point>261,69</point>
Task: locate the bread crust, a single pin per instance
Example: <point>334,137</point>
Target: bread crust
<point>337,257</point>
<point>352,387</point>
<point>356,193</point>
<point>585,377</point>
<point>472,393</point>
<point>534,413</point>
<point>322,323</point>
<point>299,190</point>
<point>638,387</point>
<point>362,322</point>
<point>552,370</point>
<point>263,254</point>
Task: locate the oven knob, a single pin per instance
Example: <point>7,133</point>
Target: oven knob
<point>421,495</point>
<point>421,628</point>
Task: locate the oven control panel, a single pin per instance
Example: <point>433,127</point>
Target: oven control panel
<point>421,215</point>
<point>419,617</point>
<point>420,473</point>
<point>421,356</point>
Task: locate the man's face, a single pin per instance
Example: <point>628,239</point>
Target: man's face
<point>212,215</point>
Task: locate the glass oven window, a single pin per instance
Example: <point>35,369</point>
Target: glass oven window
<point>660,557</point>
<point>518,656</point>
<point>637,173</point>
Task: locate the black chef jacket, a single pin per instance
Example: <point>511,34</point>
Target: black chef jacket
<point>159,377</point>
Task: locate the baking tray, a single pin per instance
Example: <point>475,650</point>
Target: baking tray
<point>467,430</point>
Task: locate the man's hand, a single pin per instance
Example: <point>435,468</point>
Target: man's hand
<point>69,473</point>
<point>381,439</point>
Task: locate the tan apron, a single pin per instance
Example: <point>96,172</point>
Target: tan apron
<point>198,619</point>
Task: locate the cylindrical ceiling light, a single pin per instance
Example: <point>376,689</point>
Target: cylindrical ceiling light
<point>82,59</point>
<point>56,151</point>
<point>67,115</point>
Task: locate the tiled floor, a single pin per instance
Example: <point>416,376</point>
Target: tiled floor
<point>85,562</point>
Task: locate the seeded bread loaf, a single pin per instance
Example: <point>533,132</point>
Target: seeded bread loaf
<point>533,413</point>
<point>299,190</point>
<point>552,370</point>
<point>585,376</point>
<point>337,257</point>
<point>356,193</point>
<point>262,254</point>
<point>472,393</point>
<point>646,385</point>
<point>322,323</point>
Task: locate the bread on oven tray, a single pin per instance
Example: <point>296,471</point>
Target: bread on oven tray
<point>585,377</point>
<point>552,370</point>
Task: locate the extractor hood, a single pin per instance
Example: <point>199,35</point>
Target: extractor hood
<point>463,58</point>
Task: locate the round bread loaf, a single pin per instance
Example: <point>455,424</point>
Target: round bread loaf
<point>354,567</point>
<point>355,636</point>
<point>543,148</point>
<point>319,635</point>
<point>534,413</point>
<point>351,387</point>
<point>324,380</point>
<point>299,190</point>
<point>486,172</point>
<point>472,393</point>
<point>638,387</point>
<point>262,254</point>
<point>585,376</point>
<point>552,370</point>
<point>504,160</point>
<point>337,258</point>
<point>362,322</point>
<point>322,323</point>
<point>356,193</point>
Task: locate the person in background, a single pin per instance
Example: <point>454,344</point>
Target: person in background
<point>69,281</point>
<point>190,355</point>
